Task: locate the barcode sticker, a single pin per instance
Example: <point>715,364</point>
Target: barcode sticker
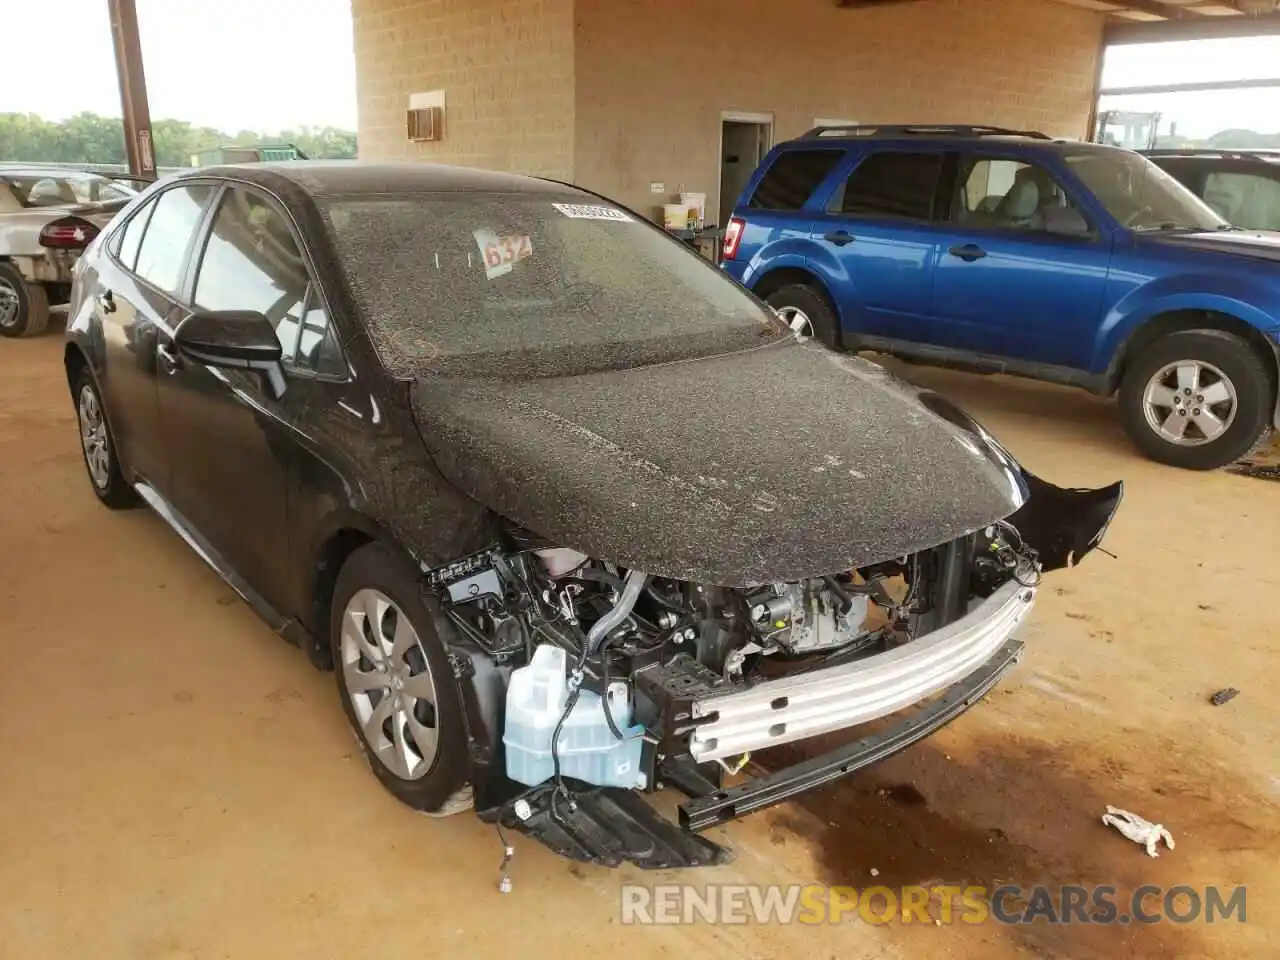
<point>591,211</point>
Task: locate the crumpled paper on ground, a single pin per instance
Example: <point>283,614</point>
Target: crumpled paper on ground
<point>1138,830</point>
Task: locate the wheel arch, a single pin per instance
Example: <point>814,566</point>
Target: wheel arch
<point>779,277</point>
<point>1181,321</point>
<point>343,537</point>
<point>74,362</point>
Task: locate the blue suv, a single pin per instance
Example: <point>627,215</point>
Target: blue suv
<point>1007,251</point>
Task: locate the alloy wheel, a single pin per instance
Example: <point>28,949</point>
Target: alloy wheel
<point>388,681</point>
<point>797,320</point>
<point>93,437</point>
<point>1190,403</point>
<point>9,304</point>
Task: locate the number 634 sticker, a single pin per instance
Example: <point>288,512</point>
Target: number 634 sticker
<point>501,253</point>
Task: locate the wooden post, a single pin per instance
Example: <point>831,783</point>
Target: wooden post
<point>138,145</point>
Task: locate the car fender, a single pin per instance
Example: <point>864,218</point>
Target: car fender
<point>799,253</point>
<point>1244,298</point>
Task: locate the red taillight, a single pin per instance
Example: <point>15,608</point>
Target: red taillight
<point>733,236</point>
<point>68,233</point>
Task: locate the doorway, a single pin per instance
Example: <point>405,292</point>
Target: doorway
<point>744,140</point>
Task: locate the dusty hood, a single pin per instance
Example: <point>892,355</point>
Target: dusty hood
<point>1255,244</point>
<point>773,464</point>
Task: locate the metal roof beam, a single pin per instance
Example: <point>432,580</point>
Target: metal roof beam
<point>1199,27</point>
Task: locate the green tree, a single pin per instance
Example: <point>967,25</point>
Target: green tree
<point>89,138</point>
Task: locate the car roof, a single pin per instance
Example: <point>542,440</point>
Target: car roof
<point>328,178</point>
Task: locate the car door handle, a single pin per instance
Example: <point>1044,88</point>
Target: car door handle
<point>169,360</point>
<point>106,302</point>
<point>969,252</point>
<point>840,237</point>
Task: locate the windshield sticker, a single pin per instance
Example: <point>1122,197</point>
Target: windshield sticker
<point>500,254</point>
<point>588,211</point>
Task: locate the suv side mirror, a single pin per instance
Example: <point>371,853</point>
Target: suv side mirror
<point>233,340</point>
<point>1066,222</point>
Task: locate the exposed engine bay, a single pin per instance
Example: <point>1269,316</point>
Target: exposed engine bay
<point>591,682</point>
<point>635,639</point>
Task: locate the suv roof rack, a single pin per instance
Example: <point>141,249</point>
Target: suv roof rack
<point>920,130</point>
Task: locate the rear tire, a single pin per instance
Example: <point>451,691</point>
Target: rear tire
<point>799,298</point>
<point>396,684</point>
<point>1199,399</point>
<point>24,307</point>
<point>98,445</point>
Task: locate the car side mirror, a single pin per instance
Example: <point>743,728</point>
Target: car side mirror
<point>233,340</point>
<point>1066,222</point>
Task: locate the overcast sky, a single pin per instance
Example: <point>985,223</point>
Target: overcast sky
<point>232,64</point>
<point>1200,114</point>
<point>270,64</point>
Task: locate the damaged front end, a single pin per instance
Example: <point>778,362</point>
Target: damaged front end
<point>587,683</point>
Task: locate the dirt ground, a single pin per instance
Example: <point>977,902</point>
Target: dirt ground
<point>176,782</point>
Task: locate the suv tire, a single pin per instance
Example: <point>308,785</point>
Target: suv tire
<point>32,315</point>
<point>1170,382</point>
<point>804,299</point>
<point>411,669</point>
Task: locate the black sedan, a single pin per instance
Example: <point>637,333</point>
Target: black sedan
<point>569,514</point>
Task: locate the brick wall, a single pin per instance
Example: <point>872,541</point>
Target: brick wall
<point>506,67</point>
<point>652,76</point>
<point>617,94</point>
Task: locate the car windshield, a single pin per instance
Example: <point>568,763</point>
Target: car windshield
<point>529,285</point>
<point>63,189</point>
<point>1139,194</point>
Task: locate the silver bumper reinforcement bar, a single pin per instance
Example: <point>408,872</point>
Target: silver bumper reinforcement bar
<point>823,701</point>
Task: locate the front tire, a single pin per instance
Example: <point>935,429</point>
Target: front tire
<point>24,307</point>
<point>797,300</point>
<point>396,684</point>
<point>98,446</point>
<point>1199,400</point>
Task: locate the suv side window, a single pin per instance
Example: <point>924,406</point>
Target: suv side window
<point>1004,194</point>
<point>1244,199</point>
<point>251,261</point>
<point>173,223</point>
<point>894,184</point>
<point>792,178</point>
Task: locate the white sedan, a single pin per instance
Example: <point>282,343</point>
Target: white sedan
<point>47,217</point>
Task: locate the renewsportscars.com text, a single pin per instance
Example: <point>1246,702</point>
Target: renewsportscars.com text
<point>937,904</point>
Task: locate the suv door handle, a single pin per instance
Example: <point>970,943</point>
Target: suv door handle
<point>969,252</point>
<point>840,237</point>
<point>106,302</point>
<point>169,361</point>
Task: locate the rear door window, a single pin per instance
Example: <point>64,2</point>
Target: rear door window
<point>169,233</point>
<point>794,175</point>
<point>896,184</point>
<point>126,242</point>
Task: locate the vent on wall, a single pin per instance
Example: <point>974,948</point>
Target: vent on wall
<point>425,123</point>
<point>425,117</point>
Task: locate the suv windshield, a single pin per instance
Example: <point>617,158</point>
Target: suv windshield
<point>529,285</point>
<point>1139,194</point>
